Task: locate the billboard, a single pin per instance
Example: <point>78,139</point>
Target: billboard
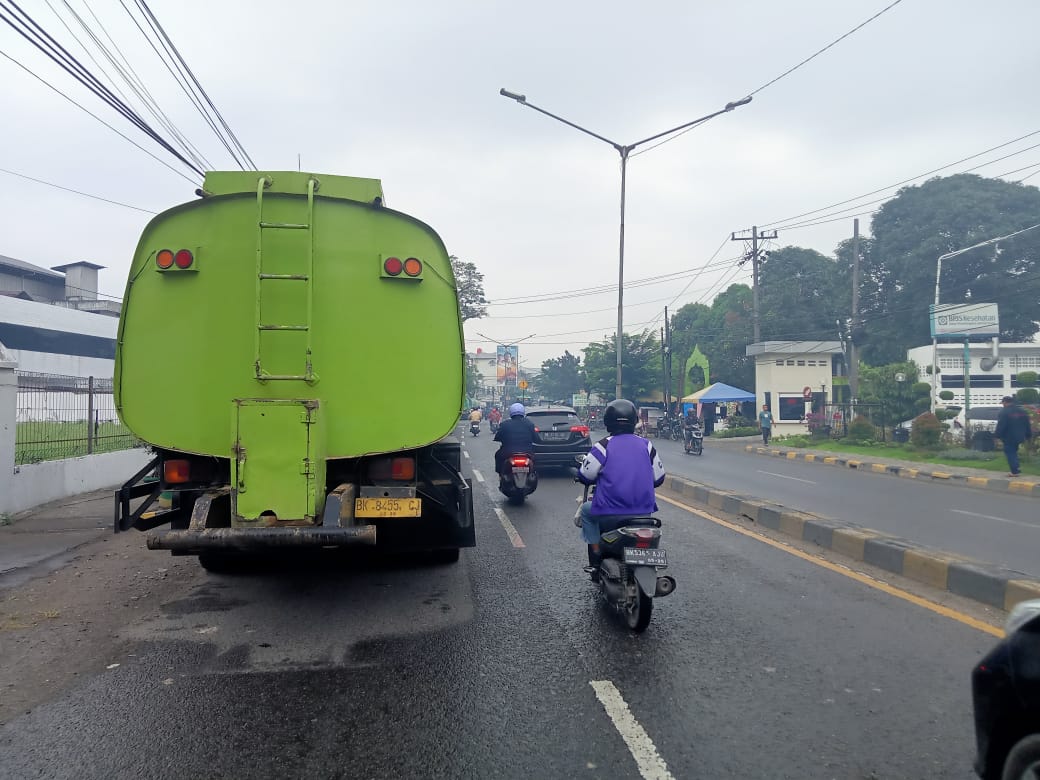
<point>964,319</point>
<point>506,364</point>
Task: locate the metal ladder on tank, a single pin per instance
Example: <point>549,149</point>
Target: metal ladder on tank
<point>264,279</point>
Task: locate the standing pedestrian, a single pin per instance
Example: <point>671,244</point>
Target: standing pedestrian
<point>1012,429</point>
<point>765,422</point>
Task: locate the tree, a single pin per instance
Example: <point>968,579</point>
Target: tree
<point>902,400</point>
<point>561,377</point>
<point>942,215</point>
<point>469,288</point>
<point>722,331</point>
<point>641,370</point>
<point>801,295</point>
<point>472,378</point>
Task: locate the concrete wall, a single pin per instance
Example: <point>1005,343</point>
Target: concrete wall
<point>23,487</point>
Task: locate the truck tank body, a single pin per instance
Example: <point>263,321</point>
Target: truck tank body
<point>289,297</point>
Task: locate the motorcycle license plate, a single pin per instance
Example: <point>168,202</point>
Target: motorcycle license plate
<point>387,507</point>
<point>521,470</point>
<point>641,557</point>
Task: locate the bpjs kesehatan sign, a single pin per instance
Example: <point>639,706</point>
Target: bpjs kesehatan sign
<point>964,319</point>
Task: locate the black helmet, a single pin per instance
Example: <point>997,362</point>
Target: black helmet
<point>620,416</point>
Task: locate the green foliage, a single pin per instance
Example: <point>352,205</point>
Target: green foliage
<point>561,377</point>
<point>1028,395</point>
<point>861,429</point>
<point>942,215</point>
<point>926,430</point>
<point>732,433</point>
<point>723,331</point>
<point>921,389</point>
<point>39,441</point>
<point>945,414</point>
<point>469,288</point>
<point>878,385</point>
<point>946,395</point>
<point>641,365</point>
<point>801,292</point>
<point>1027,378</point>
<point>5,519</point>
<point>472,378</point>
<point>799,441</point>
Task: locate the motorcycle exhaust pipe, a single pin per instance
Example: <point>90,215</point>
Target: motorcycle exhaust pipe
<point>665,585</point>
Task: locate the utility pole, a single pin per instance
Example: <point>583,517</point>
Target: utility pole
<point>667,362</point>
<point>753,257</point>
<point>853,355</point>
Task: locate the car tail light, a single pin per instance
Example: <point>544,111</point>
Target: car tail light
<point>582,429</point>
<point>393,266</point>
<point>164,258</point>
<point>184,258</point>
<point>520,460</point>
<point>176,472</point>
<point>413,266</point>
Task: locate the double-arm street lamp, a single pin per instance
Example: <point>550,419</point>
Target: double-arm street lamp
<point>624,150</point>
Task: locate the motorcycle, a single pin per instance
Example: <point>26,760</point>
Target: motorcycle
<point>1006,695</point>
<point>627,572</point>
<point>474,428</point>
<point>494,426</point>
<point>519,479</point>
<point>693,440</point>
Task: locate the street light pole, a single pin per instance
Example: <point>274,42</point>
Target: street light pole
<point>623,150</point>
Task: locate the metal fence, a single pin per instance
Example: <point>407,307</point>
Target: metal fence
<point>66,417</point>
<point>832,420</point>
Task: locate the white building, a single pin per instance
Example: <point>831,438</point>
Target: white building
<point>794,378</point>
<point>987,386</point>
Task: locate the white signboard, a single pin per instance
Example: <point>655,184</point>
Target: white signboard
<point>964,319</point>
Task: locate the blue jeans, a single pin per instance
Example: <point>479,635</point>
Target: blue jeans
<point>590,528</point>
<point>1011,453</point>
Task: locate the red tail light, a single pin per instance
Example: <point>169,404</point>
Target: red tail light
<point>520,460</point>
<point>393,266</point>
<point>643,537</point>
<point>401,469</point>
<point>184,258</point>
<point>412,266</point>
<point>176,471</point>
<point>582,429</point>
<point>164,258</point>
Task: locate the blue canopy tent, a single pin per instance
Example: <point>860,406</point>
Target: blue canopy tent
<point>718,393</point>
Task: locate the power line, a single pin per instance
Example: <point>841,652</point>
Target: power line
<point>77,192</point>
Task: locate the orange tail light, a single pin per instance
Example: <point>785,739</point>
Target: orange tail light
<point>176,472</point>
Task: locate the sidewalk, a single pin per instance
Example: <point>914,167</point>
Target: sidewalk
<point>45,537</point>
<point>907,469</point>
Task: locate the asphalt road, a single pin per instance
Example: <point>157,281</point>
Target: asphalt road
<point>999,528</point>
<point>762,664</point>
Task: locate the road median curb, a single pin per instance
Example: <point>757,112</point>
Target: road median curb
<point>992,585</point>
<point>1002,485</point>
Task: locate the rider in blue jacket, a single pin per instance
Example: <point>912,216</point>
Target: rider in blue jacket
<point>625,468</point>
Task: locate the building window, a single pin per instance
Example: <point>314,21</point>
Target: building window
<point>811,363</point>
<point>780,362</point>
<point>792,407</point>
<point>790,362</point>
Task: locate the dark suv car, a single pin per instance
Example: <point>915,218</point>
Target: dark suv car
<point>563,439</point>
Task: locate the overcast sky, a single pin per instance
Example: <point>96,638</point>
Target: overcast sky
<point>407,92</point>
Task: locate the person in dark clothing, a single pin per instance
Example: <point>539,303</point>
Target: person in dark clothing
<point>1012,429</point>
<point>515,435</point>
<point>709,419</point>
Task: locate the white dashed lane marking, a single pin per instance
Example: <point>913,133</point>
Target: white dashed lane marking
<point>511,532</point>
<point>650,764</point>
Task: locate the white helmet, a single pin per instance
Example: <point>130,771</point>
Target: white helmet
<point>517,410</point>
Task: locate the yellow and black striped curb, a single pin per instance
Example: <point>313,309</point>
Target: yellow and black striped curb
<point>1022,487</point>
<point>987,583</point>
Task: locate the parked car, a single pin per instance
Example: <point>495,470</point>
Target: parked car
<point>563,439</point>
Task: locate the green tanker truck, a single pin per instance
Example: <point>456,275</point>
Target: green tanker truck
<point>292,351</point>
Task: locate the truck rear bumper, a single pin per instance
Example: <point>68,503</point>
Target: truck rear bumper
<point>205,539</point>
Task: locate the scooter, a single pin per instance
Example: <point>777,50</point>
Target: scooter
<point>474,428</point>
<point>1006,693</point>
<point>519,480</point>
<point>693,440</point>
<point>627,571</point>
<point>494,426</point>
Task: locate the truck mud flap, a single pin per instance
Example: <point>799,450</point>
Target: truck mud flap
<point>261,538</point>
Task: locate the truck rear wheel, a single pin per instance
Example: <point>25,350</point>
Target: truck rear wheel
<point>215,563</point>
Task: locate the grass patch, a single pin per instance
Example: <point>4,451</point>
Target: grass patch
<point>40,441</point>
<point>988,461</point>
<point>732,433</point>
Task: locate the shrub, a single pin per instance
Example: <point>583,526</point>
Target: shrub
<point>729,433</point>
<point>1027,378</point>
<point>861,429</point>
<point>926,430</point>
<point>963,454</point>
<point>795,440</point>
<point>946,395</point>
<point>1028,395</point>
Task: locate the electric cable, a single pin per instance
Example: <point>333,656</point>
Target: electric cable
<point>77,192</point>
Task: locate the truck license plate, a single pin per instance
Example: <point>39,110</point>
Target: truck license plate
<point>387,507</point>
<point>643,557</point>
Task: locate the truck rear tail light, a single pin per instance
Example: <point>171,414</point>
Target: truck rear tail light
<point>393,266</point>
<point>176,472</point>
<point>400,469</point>
<point>412,266</point>
<point>164,258</point>
<point>184,258</point>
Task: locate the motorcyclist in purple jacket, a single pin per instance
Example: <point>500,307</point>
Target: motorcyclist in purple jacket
<point>625,468</point>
